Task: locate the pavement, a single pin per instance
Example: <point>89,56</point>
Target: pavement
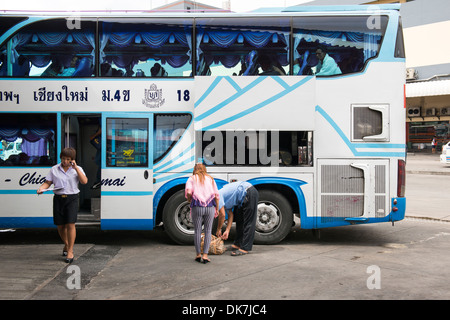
<point>427,184</point>
<point>426,163</point>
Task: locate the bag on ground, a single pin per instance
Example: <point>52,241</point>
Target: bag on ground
<point>216,247</point>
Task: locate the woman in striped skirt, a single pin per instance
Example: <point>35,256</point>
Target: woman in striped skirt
<point>201,191</point>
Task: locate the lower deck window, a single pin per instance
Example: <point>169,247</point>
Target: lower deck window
<point>27,139</point>
<point>255,148</point>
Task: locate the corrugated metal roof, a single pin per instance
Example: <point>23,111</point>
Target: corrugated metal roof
<point>429,88</point>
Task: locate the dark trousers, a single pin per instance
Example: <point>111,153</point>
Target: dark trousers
<point>245,218</point>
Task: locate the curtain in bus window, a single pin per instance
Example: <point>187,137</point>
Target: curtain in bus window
<point>347,40</point>
<point>36,148</point>
<point>240,43</point>
<point>369,42</point>
<point>134,49</point>
<point>38,50</point>
<point>27,140</point>
<point>52,40</point>
<point>31,135</point>
<point>348,44</point>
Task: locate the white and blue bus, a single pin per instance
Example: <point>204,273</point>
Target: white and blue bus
<point>306,103</point>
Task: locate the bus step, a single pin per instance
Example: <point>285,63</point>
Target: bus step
<point>87,223</point>
<point>87,219</point>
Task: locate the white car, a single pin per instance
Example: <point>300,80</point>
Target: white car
<point>445,155</point>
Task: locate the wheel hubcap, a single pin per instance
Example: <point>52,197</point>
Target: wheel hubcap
<point>183,219</point>
<point>268,218</point>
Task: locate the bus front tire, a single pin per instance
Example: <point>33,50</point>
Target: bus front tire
<point>177,219</point>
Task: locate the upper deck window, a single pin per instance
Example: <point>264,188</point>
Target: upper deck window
<point>51,49</point>
<point>333,45</point>
<point>242,46</point>
<point>168,47</point>
<point>150,48</point>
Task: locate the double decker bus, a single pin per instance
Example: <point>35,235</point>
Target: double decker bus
<point>306,103</point>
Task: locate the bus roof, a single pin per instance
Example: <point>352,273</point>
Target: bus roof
<point>369,9</point>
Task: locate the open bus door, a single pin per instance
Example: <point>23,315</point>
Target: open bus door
<point>76,132</point>
<point>127,171</point>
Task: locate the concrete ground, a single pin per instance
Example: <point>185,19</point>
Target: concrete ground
<point>407,261</point>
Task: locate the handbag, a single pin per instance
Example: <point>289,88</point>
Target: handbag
<point>216,246</point>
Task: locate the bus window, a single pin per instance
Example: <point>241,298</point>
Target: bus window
<point>347,42</point>
<point>126,142</point>
<point>242,46</point>
<point>150,48</point>
<point>27,139</point>
<point>51,49</point>
<point>255,148</point>
<point>370,123</point>
<point>168,130</point>
<point>399,42</point>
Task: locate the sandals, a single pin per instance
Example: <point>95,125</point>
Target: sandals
<point>231,248</point>
<point>238,253</point>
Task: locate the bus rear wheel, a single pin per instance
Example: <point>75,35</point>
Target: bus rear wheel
<point>274,218</point>
<point>177,219</point>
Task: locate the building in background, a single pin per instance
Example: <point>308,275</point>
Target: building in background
<point>427,32</point>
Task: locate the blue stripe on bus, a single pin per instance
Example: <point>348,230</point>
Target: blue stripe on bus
<point>188,149</point>
<point>208,91</point>
<point>259,105</point>
<point>281,82</point>
<point>354,146</point>
<point>379,145</point>
<point>172,176</point>
<point>228,100</point>
<point>295,186</point>
<point>127,193</point>
<point>24,191</point>
<point>19,191</point>
<point>127,224</point>
<point>233,83</point>
<point>26,222</point>
<point>187,161</point>
<point>104,193</point>
<point>345,221</point>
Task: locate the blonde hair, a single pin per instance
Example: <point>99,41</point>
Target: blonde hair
<point>200,171</point>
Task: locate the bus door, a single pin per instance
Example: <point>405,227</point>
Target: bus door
<point>79,131</point>
<point>127,171</point>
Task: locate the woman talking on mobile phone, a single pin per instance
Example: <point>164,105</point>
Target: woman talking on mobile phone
<point>65,177</point>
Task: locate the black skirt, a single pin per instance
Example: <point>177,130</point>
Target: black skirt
<point>65,209</point>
